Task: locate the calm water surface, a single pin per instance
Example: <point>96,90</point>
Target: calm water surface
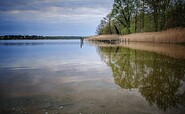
<point>61,77</point>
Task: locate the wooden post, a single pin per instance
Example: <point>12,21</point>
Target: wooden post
<point>81,42</point>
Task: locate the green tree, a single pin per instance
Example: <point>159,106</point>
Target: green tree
<point>154,6</point>
<point>176,15</point>
<point>122,11</point>
<point>129,16</point>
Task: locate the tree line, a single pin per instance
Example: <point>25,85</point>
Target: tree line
<point>35,37</point>
<point>132,16</point>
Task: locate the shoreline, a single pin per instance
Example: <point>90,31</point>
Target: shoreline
<point>169,36</point>
<point>23,37</point>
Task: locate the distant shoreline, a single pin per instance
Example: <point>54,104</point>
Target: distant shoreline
<point>169,36</point>
<point>34,37</point>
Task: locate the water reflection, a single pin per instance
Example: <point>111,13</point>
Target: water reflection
<point>66,79</point>
<point>159,79</point>
<point>41,42</point>
<point>171,50</point>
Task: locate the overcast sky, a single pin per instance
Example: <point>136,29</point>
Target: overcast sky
<point>52,17</point>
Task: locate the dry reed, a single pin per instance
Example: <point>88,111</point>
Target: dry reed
<point>169,36</point>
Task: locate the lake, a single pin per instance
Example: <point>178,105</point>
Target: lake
<point>66,77</point>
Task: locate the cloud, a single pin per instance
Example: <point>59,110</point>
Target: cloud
<point>54,11</point>
<point>47,9</point>
<point>59,14</point>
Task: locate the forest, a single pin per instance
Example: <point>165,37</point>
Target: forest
<point>135,16</point>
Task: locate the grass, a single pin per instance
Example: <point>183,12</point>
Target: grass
<point>176,35</point>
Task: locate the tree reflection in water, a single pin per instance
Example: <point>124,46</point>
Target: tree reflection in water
<point>158,78</point>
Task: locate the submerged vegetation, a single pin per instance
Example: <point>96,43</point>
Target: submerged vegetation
<point>134,16</point>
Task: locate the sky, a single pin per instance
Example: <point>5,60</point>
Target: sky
<point>52,17</point>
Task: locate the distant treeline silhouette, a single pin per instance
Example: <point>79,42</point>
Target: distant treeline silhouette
<point>35,37</point>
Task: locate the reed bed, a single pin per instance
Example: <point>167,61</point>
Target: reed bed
<point>169,36</point>
<point>104,37</point>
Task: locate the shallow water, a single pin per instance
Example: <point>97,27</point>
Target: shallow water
<point>64,77</point>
